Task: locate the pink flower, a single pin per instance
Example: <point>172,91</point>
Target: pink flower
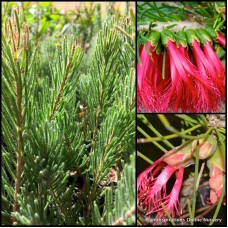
<point>210,65</point>
<point>151,183</point>
<point>195,84</point>
<point>190,90</point>
<point>151,187</point>
<point>216,164</point>
<point>216,185</point>
<point>221,39</point>
<point>218,79</point>
<point>152,193</point>
<point>144,72</point>
<point>150,84</point>
<point>171,202</point>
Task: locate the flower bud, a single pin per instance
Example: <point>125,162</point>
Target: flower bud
<point>167,35</point>
<point>207,147</point>
<point>216,165</point>
<point>154,37</point>
<point>213,34</point>
<point>179,156</point>
<point>191,36</point>
<point>181,38</point>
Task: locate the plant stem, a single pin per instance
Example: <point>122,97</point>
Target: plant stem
<point>195,182</point>
<point>63,83</point>
<point>187,118</point>
<point>121,220</point>
<point>179,26</point>
<point>200,175</point>
<point>95,184</point>
<point>57,200</point>
<point>99,108</point>
<point>168,126</point>
<point>19,148</point>
<point>144,157</point>
<point>175,135</point>
<point>157,133</point>
<point>151,140</point>
<point>124,32</point>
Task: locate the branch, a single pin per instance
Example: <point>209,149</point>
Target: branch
<point>178,26</point>
<point>19,124</point>
<point>186,8</point>
<point>121,220</point>
<point>57,200</point>
<point>124,32</point>
<point>98,114</point>
<point>63,83</point>
<point>92,196</point>
<point>19,151</point>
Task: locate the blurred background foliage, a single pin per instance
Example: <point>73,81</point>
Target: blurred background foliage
<point>46,19</point>
<point>48,22</point>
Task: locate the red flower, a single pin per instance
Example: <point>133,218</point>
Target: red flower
<point>151,183</point>
<point>190,89</point>
<point>221,39</point>
<point>195,84</point>
<point>149,81</point>
<point>151,186</point>
<point>171,202</point>
<point>144,72</point>
<point>208,63</point>
<point>218,79</point>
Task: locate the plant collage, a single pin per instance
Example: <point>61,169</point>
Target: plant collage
<point>113,114</point>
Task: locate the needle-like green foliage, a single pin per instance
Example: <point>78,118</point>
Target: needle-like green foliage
<point>122,211</point>
<point>64,131</point>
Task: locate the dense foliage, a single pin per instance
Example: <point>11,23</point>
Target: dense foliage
<point>68,125</point>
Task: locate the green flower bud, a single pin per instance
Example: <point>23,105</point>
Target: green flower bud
<point>191,36</point>
<point>154,37</point>
<point>181,37</point>
<point>207,147</point>
<point>179,156</point>
<point>167,35</point>
<point>212,33</point>
<point>217,159</point>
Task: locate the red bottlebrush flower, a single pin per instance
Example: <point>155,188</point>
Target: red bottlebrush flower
<point>218,79</point>
<point>208,63</point>
<point>151,187</point>
<point>151,183</point>
<point>190,91</point>
<point>150,84</point>
<point>144,176</point>
<point>170,202</point>
<point>149,80</point>
<point>221,39</point>
<point>144,72</point>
